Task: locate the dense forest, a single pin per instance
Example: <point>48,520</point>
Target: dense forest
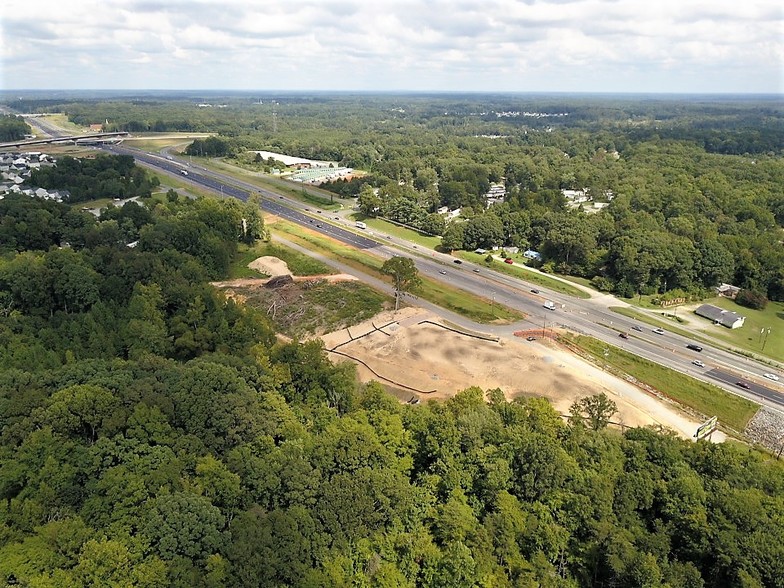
<point>104,176</point>
<point>13,128</point>
<point>154,433</point>
<point>690,189</point>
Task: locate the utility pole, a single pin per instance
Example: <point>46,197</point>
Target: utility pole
<point>766,339</point>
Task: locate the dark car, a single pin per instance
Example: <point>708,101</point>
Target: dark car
<point>743,385</point>
<point>623,335</point>
<point>534,290</point>
<point>694,347</point>
<point>458,261</point>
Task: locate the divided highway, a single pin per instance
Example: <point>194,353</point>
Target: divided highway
<point>590,317</point>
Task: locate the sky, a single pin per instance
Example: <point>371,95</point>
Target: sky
<point>651,46</point>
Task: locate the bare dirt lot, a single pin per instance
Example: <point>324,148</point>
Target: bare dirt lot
<point>415,355</point>
<point>416,358</point>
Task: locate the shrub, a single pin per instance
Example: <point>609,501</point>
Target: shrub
<point>603,284</point>
<point>752,299</point>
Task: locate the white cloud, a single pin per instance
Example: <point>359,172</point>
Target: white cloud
<point>505,45</point>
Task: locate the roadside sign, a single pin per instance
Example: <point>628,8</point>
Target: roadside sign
<point>706,428</point>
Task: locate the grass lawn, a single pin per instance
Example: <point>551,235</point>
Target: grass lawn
<point>61,121</point>
<point>469,305</point>
<point>299,264</point>
<point>707,399</point>
<point>154,143</point>
<point>529,276</point>
<point>749,337</point>
<point>389,228</point>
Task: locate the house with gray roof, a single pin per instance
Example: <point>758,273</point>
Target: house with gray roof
<point>727,318</point>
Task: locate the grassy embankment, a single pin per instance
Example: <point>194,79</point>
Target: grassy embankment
<point>708,400</point>
<point>471,306</point>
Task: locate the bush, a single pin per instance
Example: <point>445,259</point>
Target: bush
<point>752,299</point>
<point>603,284</point>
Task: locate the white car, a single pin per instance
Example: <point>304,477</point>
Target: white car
<point>698,363</point>
<point>659,331</point>
<point>773,377</point>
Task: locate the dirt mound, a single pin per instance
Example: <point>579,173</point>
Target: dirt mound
<point>270,265</point>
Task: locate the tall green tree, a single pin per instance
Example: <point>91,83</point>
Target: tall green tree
<point>405,276</point>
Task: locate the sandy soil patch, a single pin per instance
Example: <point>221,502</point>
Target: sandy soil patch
<point>429,361</point>
<point>270,265</point>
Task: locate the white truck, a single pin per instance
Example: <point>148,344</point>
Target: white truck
<point>549,305</point>
<point>360,225</point>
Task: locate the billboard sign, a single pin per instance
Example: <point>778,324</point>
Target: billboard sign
<point>706,428</point>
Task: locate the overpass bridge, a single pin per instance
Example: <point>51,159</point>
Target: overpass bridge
<point>93,137</point>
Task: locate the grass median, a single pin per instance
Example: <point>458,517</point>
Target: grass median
<point>474,307</point>
<point>707,399</point>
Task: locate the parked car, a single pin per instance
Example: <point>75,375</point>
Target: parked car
<point>623,335</point>
<point>743,385</point>
<point>659,331</point>
<point>694,347</point>
<point>773,377</point>
<point>508,260</point>
<point>636,328</point>
<point>698,363</point>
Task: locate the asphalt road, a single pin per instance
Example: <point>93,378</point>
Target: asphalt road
<point>589,317</point>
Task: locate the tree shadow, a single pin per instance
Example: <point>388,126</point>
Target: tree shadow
<point>780,315</point>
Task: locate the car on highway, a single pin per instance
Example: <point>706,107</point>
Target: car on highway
<point>743,385</point>
<point>442,272</point>
<point>476,270</point>
<point>534,291</point>
<point>659,331</point>
<point>508,260</point>
<point>623,335</point>
<point>457,261</point>
<point>698,363</point>
<point>318,225</point>
<point>636,328</point>
<point>694,347</point>
<point>773,377</point>
<point>530,338</point>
